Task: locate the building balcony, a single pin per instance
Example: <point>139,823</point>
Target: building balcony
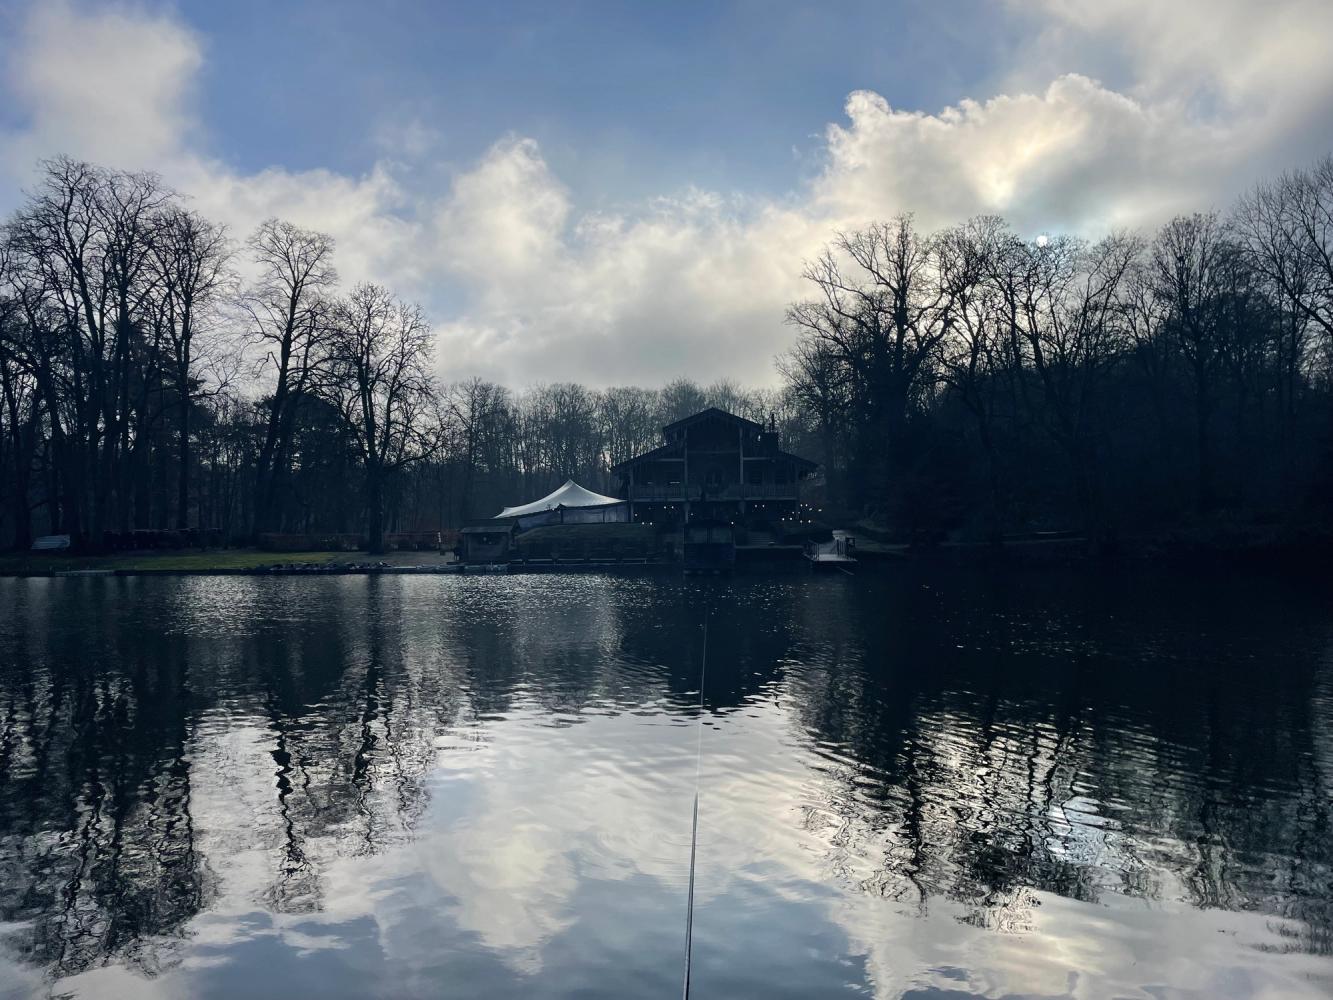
<point>678,492</point>
<point>675,492</point>
<point>762,491</point>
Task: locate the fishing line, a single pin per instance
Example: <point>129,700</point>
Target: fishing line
<point>694,829</point>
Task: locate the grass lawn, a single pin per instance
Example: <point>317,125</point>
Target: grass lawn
<point>50,562</point>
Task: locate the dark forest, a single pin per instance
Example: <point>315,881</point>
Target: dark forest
<point>972,383</point>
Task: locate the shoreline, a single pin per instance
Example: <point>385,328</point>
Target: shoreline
<point>1240,562</point>
<point>1284,553</point>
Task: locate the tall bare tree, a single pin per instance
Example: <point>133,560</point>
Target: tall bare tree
<point>85,236</point>
<point>1288,226</point>
<point>630,422</point>
<point>379,355</point>
<point>475,407</point>
<point>190,257</point>
<point>1286,229</point>
<point>879,314</point>
<point>1189,256</point>
<point>971,356</point>
<point>288,309</point>
<point>20,402</point>
<point>1061,299</point>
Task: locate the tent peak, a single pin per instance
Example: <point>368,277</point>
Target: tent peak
<point>571,494</point>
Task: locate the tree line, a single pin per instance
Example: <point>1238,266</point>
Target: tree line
<point>127,339</point>
<point>976,380</point>
<point>156,372</point>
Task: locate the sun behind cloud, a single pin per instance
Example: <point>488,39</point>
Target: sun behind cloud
<point>525,283</point>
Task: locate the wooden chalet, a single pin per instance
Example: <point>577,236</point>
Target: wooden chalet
<point>718,466</point>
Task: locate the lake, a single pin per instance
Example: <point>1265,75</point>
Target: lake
<point>913,783</point>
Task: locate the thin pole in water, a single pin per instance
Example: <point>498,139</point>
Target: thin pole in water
<point>694,828</point>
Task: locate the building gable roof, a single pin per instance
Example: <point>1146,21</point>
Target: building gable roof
<point>711,412</point>
<point>803,463</point>
<point>669,450</point>
<point>674,446</point>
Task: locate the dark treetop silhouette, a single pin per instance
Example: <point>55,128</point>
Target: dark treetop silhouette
<point>970,381</point>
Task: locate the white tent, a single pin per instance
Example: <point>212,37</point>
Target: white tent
<point>569,495</point>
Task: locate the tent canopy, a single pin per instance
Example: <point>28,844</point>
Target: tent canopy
<point>569,495</point>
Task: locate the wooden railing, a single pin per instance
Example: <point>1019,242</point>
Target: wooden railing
<point>678,492</point>
<point>675,491</point>
<point>762,491</point>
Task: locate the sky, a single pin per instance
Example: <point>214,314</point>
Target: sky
<point>624,193</point>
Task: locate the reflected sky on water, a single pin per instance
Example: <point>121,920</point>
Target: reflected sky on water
<point>913,785</point>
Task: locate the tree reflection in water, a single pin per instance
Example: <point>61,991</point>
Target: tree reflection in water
<point>99,851</point>
<point>1080,766</point>
<point>966,740</point>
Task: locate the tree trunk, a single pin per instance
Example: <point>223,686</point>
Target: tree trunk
<point>375,504</point>
<point>994,530</point>
<point>1085,492</point>
<point>183,483</point>
<point>22,515</point>
<point>138,466</point>
<point>24,441</point>
<point>265,467</point>
<point>1203,443</point>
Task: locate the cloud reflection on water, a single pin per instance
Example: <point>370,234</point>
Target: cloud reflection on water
<point>389,784</point>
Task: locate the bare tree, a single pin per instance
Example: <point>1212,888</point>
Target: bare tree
<point>129,205</point>
<point>560,423</point>
<point>1188,257</point>
<point>474,406</point>
<point>85,235</point>
<point>1286,230</point>
<point>879,316</point>
<point>380,353</point>
<point>814,375</point>
<point>288,311</point>
<point>190,257</point>
<point>971,354</point>
<point>1288,225</point>
<point>629,420</point>
<point>1061,297</point>
<point>20,401</point>
<point>34,344</point>
<point>681,397</point>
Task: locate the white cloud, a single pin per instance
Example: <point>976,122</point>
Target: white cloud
<point>525,286</point>
<point>109,85</point>
<point>1076,156</point>
<point>679,287</point>
<point>506,217</point>
<point>698,284</point>
<point>1245,55</point>
<point>369,216</point>
<point>114,86</point>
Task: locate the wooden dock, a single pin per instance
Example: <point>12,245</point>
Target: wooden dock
<point>840,553</point>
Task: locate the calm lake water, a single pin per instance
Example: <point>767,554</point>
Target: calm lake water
<point>913,785</point>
